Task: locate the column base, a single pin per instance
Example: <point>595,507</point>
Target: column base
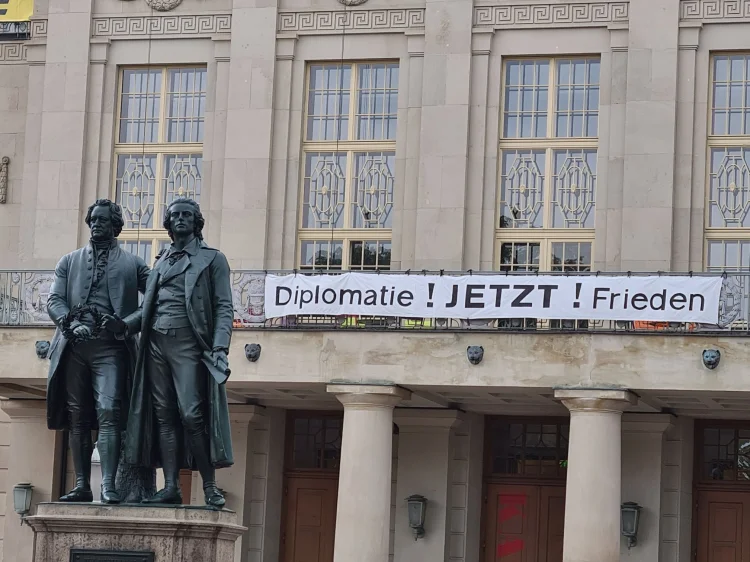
<point>158,533</point>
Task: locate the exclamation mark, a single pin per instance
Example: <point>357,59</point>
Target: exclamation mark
<point>578,295</point>
<point>431,290</point>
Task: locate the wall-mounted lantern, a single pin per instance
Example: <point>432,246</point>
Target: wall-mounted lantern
<point>416,506</point>
<point>22,499</point>
<point>630,517</point>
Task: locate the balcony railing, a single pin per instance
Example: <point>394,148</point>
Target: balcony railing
<point>23,303</point>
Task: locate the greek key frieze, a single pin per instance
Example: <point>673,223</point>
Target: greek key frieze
<point>351,20</point>
<point>552,15</point>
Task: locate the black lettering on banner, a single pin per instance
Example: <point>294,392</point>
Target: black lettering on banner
<point>547,289</point>
<point>525,291</point>
<point>353,293</point>
<point>663,297</point>
<point>405,298</point>
<point>697,296</point>
<point>598,298</point>
<point>498,293</point>
<point>677,298</point>
<point>639,298</point>
<point>454,298</point>
<point>330,292</point>
<point>473,292</point>
<point>278,296</point>
<point>3,11</point>
<point>371,297</point>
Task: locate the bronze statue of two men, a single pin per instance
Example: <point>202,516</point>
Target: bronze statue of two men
<point>154,370</point>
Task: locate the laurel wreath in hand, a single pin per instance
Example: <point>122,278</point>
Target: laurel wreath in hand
<point>78,313</point>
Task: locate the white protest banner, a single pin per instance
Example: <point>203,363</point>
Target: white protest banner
<point>653,298</point>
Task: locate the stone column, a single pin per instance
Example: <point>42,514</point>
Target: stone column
<point>592,497</point>
<point>425,452</point>
<point>643,463</point>
<point>236,480</point>
<point>364,500</point>
<point>36,455</point>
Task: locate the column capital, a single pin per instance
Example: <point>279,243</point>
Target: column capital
<point>368,395</point>
<point>246,413</point>
<point>415,420</point>
<point>595,400</point>
<point>24,409</point>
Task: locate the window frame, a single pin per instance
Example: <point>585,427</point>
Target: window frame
<point>350,147</point>
<point>156,235</point>
<point>549,144</point>
<point>717,233</point>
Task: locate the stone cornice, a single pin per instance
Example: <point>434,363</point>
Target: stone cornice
<point>570,14</point>
<point>351,21</point>
<point>182,25</point>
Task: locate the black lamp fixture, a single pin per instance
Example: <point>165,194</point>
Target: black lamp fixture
<point>22,493</point>
<point>416,506</point>
<point>630,517</point>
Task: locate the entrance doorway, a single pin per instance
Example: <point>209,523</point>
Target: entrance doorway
<point>722,486</point>
<point>311,479</point>
<point>525,471</point>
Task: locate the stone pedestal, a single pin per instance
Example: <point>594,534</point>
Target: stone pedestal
<point>171,533</point>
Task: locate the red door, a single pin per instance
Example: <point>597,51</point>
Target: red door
<point>524,523</point>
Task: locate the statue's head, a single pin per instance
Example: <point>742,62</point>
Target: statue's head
<point>104,219</point>
<point>252,352</point>
<point>183,217</point>
<point>711,358</point>
<point>42,349</point>
<point>475,354</point>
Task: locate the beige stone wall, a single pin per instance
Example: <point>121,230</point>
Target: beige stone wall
<point>6,488</point>
<point>57,117</point>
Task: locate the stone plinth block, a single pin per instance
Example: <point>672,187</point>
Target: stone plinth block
<point>171,533</point>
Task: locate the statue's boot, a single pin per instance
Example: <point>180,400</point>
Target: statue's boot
<point>168,495</point>
<point>81,448</point>
<point>109,454</point>
<point>201,448</point>
<point>171,493</point>
<point>213,495</point>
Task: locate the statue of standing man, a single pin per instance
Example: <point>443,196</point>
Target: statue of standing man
<point>94,304</point>
<point>179,416</point>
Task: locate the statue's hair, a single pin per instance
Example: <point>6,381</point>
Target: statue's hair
<point>199,220</point>
<point>115,212</point>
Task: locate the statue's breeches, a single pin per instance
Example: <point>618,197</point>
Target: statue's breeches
<point>177,379</point>
<point>95,377</point>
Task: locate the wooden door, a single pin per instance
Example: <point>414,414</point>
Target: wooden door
<point>310,519</point>
<point>512,523</point>
<point>524,523</point>
<point>723,535</point>
<point>551,523</point>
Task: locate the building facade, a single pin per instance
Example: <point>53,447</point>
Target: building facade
<point>401,136</point>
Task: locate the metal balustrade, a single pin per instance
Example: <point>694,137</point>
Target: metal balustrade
<point>23,303</point>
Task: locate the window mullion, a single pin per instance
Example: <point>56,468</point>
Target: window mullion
<point>551,97</point>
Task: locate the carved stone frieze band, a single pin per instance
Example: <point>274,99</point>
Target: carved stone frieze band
<point>551,15</point>
<point>363,21</point>
<point>4,164</point>
<point>714,10</point>
<point>139,26</point>
<point>12,52</point>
